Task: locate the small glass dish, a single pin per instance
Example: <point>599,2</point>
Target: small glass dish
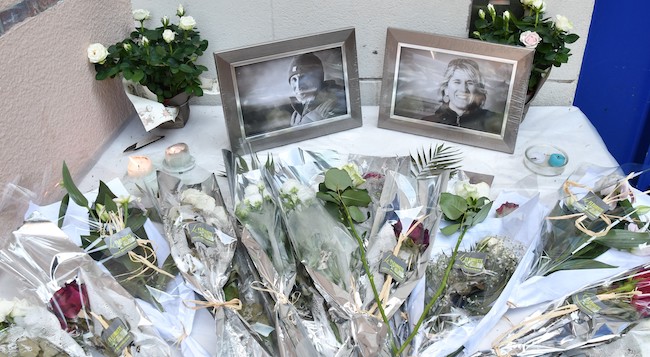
<point>546,160</point>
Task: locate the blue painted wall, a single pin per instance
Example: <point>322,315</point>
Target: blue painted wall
<point>614,84</point>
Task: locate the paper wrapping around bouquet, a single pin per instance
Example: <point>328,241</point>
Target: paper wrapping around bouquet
<point>150,111</point>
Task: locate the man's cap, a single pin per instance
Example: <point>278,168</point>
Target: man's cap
<point>304,63</point>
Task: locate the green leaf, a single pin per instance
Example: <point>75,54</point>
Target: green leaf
<point>571,38</point>
<point>63,209</point>
<point>452,206</point>
<point>337,180</point>
<point>482,214</point>
<point>450,229</point>
<point>354,197</point>
<point>186,68</point>
<point>105,197</point>
<point>623,239</point>
<point>575,264</point>
<point>73,191</point>
<point>356,214</point>
<point>138,75</point>
<point>327,197</point>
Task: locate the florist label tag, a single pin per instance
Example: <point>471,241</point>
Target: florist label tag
<point>394,267</point>
<point>202,233</point>
<point>591,205</point>
<point>117,336</point>
<point>121,242</point>
<point>471,262</point>
<point>588,302</point>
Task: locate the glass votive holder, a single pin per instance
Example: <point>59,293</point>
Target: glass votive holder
<point>178,159</point>
<point>546,160</point>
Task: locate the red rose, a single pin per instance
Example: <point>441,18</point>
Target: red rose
<point>642,301</point>
<point>418,235</point>
<point>68,301</point>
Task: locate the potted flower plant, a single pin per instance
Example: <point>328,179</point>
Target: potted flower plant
<point>547,36</point>
<point>162,59</point>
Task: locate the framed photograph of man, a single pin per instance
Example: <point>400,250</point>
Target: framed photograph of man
<point>288,91</point>
<point>461,90</point>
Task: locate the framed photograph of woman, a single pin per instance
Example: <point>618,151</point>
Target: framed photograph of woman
<point>287,91</point>
<point>461,90</point>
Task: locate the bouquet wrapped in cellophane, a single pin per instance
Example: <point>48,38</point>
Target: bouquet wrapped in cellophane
<point>301,326</point>
<point>591,316</point>
<point>115,230</point>
<point>203,243</point>
<point>491,259</point>
<point>333,249</point>
<point>97,315</point>
<point>597,229</point>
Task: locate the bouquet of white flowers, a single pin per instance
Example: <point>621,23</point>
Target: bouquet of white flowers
<point>203,243</point>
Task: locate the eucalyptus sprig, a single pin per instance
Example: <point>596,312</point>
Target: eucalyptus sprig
<point>343,200</point>
<point>464,213</point>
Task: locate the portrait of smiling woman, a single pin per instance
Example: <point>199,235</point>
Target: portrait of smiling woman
<point>464,95</point>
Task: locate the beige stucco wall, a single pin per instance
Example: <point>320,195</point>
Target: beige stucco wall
<point>231,24</point>
<point>52,107</point>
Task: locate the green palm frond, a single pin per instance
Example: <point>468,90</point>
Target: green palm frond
<point>435,160</point>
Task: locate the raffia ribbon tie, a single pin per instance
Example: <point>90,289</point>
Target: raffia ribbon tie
<point>280,298</point>
<point>234,304</point>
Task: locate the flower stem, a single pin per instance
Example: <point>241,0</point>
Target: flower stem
<point>441,289</point>
<point>371,277</point>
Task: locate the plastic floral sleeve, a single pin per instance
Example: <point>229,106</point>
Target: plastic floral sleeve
<point>203,243</point>
<point>591,316</point>
<point>330,255</point>
<point>89,304</point>
<point>493,258</point>
<point>599,224</point>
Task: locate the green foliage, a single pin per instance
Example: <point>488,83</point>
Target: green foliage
<point>463,213</point>
<point>167,69</point>
<point>435,160</point>
<point>551,51</point>
<point>341,197</point>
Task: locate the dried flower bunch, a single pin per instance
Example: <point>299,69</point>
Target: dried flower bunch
<point>547,36</point>
<point>162,59</point>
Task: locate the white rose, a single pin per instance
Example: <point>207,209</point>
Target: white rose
<point>506,15</point>
<point>466,190</point>
<point>186,23</point>
<point>21,308</point>
<point>562,23</point>
<point>481,14</point>
<point>145,40</point>
<point>527,2</point>
<point>141,14</point>
<point>5,309</point>
<point>165,21</point>
<point>530,39</point>
<point>97,53</point>
<point>539,5</point>
<point>180,11</point>
<point>354,173</point>
<point>168,35</point>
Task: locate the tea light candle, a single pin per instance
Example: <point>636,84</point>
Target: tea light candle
<point>139,166</point>
<point>178,156</point>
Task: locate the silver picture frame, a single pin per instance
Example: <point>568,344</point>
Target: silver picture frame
<point>260,102</point>
<point>420,88</point>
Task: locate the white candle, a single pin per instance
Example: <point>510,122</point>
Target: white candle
<point>139,166</point>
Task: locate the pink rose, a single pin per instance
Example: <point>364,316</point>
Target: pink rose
<point>530,39</point>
